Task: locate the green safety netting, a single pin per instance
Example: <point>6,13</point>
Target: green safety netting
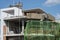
<point>38,30</point>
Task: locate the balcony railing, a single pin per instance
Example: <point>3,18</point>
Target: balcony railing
<point>11,33</point>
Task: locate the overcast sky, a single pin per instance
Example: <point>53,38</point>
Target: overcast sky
<point>50,6</point>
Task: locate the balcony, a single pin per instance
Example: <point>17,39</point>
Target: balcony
<point>34,16</point>
<point>15,27</point>
<point>12,13</point>
<point>14,17</point>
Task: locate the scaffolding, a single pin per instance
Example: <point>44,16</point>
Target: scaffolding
<point>42,30</point>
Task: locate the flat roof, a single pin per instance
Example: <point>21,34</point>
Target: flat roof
<point>34,10</point>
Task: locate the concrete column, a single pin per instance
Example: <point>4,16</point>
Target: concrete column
<point>22,26</point>
<point>7,30</point>
<point>17,12</point>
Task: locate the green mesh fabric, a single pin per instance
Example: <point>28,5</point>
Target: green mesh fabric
<point>41,28</point>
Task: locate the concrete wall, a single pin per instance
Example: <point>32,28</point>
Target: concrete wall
<point>4,15</point>
<point>39,16</point>
<point>51,17</point>
<point>34,15</point>
<point>16,11</point>
<point>4,32</point>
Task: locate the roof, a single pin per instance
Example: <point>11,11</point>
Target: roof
<point>51,17</point>
<point>34,10</point>
<point>37,10</point>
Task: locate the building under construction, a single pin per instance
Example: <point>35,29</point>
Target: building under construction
<point>33,24</point>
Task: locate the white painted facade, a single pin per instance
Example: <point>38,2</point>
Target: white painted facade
<point>9,12</point>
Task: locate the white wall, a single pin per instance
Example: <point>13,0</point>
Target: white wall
<point>3,15</point>
<point>2,23</point>
<point>18,12</point>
